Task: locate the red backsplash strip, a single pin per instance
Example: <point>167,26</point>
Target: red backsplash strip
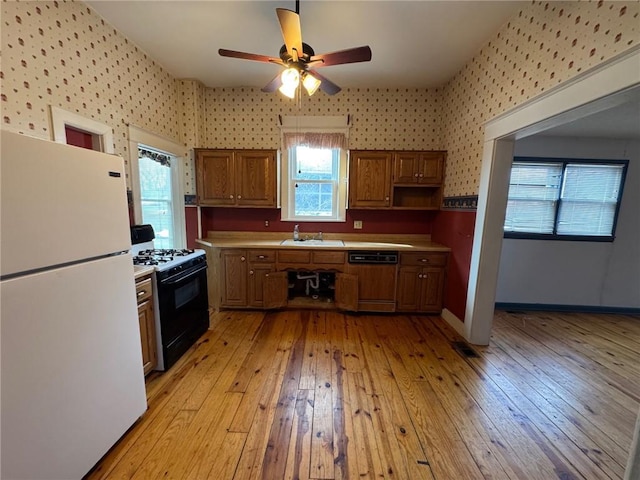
<point>373,221</point>
<point>191,221</point>
<point>455,230</point>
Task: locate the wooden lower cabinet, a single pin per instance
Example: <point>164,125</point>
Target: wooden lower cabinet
<point>146,319</point>
<point>252,278</point>
<point>421,279</point>
<point>249,279</point>
<point>234,278</point>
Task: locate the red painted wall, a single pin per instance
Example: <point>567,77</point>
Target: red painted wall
<point>78,137</point>
<point>454,228</point>
<point>373,221</point>
<point>191,221</point>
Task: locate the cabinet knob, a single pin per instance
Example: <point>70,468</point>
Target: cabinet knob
<point>242,259</point>
<point>386,198</point>
<point>424,260</point>
<point>239,196</point>
<point>142,292</point>
<point>250,272</point>
<point>415,174</point>
<point>262,257</point>
<point>419,275</point>
<point>231,197</point>
<point>421,175</point>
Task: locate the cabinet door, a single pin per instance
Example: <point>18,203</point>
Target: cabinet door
<point>256,178</point>
<point>147,335</point>
<point>370,179</point>
<point>405,167</point>
<point>275,290</point>
<point>347,292</point>
<point>409,288</point>
<point>256,278</point>
<point>432,290</point>
<point>234,278</point>
<point>215,177</point>
<point>431,167</point>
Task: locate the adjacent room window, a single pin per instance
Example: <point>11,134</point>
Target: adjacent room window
<point>564,198</point>
<point>314,171</point>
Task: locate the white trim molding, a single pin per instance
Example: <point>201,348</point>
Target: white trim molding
<point>61,118</point>
<point>139,136</point>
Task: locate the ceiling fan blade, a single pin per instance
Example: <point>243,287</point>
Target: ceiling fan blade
<point>274,84</point>
<point>350,55</point>
<point>327,86</point>
<point>249,56</point>
<point>290,26</point>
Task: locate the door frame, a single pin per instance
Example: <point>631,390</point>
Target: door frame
<point>609,84</point>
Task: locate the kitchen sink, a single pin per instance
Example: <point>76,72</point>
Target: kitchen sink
<point>312,243</point>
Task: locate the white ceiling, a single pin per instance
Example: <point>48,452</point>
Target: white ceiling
<point>415,44</point>
<point>621,122</point>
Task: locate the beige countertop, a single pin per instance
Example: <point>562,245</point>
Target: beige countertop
<point>350,242</point>
<point>142,270</point>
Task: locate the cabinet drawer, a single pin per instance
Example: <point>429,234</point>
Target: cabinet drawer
<point>143,290</point>
<point>261,256</point>
<point>424,258</point>
<point>294,256</point>
<point>336,258</point>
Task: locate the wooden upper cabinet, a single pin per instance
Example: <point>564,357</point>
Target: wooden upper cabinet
<point>370,179</point>
<point>256,178</point>
<point>418,167</point>
<point>215,177</point>
<point>236,178</point>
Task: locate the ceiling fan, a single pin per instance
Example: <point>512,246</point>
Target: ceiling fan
<point>299,59</point>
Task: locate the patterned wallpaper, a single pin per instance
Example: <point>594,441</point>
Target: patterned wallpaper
<point>62,53</point>
<point>380,118</point>
<point>546,44</point>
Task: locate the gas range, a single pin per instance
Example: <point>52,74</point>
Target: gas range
<point>163,258</point>
<point>166,262</point>
<point>181,296</point>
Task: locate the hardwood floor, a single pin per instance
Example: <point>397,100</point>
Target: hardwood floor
<point>321,395</point>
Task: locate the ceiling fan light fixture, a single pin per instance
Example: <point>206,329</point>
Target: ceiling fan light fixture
<point>310,83</point>
<point>290,81</point>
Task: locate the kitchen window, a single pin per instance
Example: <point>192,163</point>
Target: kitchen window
<point>155,195</point>
<point>564,199</point>
<point>156,183</point>
<point>314,169</point>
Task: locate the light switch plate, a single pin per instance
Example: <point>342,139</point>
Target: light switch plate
<point>357,224</point>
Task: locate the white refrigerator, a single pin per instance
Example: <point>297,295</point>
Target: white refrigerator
<point>71,363</point>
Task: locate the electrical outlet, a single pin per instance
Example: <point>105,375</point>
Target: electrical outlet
<point>357,224</point>
<point>266,223</point>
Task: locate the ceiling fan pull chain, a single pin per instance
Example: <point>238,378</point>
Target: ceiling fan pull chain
<point>298,7</point>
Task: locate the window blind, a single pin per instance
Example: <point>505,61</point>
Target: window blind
<point>564,198</point>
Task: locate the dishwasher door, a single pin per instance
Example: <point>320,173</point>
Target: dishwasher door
<point>376,286</point>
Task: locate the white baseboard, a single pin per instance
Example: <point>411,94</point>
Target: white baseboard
<point>453,321</point>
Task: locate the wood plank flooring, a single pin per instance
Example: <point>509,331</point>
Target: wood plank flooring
<point>323,395</point>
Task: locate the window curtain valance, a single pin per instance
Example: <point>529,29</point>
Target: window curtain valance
<point>331,131</point>
<point>161,158</point>
<point>314,140</point>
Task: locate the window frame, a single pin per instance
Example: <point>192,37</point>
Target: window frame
<point>313,124</point>
<point>568,237</point>
<point>144,139</point>
<point>288,194</point>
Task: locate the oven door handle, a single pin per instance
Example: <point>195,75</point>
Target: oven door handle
<point>182,276</point>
